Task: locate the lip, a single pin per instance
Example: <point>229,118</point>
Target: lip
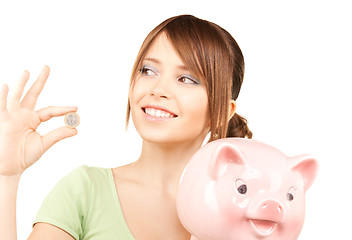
<point>155,118</point>
<point>263,227</point>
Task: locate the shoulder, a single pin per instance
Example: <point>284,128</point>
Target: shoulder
<point>70,200</point>
<point>75,191</point>
<point>82,179</point>
<point>87,173</point>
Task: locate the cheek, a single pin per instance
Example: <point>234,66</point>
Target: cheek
<point>232,205</point>
<point>196,105</point>
<point>296,212</point>
<point>136,92</point>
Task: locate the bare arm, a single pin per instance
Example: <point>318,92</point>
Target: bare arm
<point>8,194</point>
<point>21,146</point>
<point>45,231</point>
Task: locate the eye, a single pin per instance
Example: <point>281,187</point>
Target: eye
<point>291,194</point>
<point>241,186</point>
<point>148,71</point>
<point>188,79</point>
<point>242,189</point>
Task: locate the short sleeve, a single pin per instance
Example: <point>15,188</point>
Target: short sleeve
<point>68,202</point>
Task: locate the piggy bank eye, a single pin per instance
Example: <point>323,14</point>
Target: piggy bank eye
<point>241,186</point>
<point>242,189</point>
<point>291,194</point>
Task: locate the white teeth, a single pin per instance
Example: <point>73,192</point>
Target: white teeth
<point>158,113</point>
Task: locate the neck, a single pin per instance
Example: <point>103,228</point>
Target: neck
<point>161,165</point>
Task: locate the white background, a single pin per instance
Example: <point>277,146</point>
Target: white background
<point>296,93</point>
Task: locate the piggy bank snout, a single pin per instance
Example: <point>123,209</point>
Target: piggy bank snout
<point>270,210</point>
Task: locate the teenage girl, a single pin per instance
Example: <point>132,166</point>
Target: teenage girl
<point>184,83</point>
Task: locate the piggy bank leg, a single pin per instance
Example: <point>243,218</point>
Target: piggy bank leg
<point>193,238</point>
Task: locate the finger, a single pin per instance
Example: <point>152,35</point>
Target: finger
<point>47,113</point>
<point>3,97</point>
<point>17,93</point>
<point>56,135</point>
<point>31,97</point>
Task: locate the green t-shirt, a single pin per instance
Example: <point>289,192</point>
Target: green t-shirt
<point>86,205</point>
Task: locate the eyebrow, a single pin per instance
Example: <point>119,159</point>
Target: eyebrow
<point>157,61</point>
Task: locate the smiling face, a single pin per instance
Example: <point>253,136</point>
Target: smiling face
<point>168,103</point>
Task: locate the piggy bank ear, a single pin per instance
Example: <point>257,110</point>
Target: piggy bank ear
<point>221,157</point>
<point>307,167</point>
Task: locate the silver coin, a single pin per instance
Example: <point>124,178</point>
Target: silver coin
<point>72,119</point>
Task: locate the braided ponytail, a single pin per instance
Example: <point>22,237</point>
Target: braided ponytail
<point>237,127</point>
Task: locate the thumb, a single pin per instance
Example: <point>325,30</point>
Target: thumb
<point>56,135</point>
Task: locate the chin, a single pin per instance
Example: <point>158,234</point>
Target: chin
<point>168,139</point>
<point>160,139</point>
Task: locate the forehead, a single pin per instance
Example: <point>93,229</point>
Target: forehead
<point>162,50</point>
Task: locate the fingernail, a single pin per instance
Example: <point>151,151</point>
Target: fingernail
<point>75,108</point>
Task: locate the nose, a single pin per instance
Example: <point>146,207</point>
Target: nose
<point>271,210</point>
<point>157,92</point>
<point>159,89</point>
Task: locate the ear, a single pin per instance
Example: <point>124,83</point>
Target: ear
<point>231,110</point>
<point>222,156</point>
<point>307,167</point>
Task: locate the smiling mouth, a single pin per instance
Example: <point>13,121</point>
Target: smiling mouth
<point>263,227</point>
<point>158,113</point>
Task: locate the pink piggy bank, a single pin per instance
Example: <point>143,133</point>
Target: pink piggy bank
<point>241,189</point>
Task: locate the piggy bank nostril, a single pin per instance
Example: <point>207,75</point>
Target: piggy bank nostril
<point>270,210</point>
<point>279,209</point>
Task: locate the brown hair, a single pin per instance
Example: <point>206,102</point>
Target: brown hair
<point>213,55</point>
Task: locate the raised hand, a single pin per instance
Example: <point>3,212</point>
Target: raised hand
<point>20,144</point>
